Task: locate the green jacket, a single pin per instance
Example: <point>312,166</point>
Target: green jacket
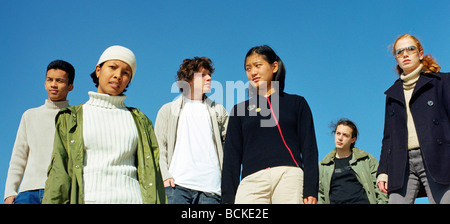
<point>65,178</point>
<point>365,167</point>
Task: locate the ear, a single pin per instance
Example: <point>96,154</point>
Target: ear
<point>97,70</point>
<point>70,87</point>
<point>275,67</point>
<point>353,139</point>
<point>421,55</point>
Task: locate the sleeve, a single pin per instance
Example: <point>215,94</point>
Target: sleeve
<point>161,196</point>
<point>321,194</point>
<point>18,161</point>
<point>224,123</point>
<point>308,148</point>
<point>446,89</point>
<point>382,167</point>
<point>161,136</point>
<point>382,198</point>
<point>58,184</point>
<point>232,158</point>
<point>154,141</point>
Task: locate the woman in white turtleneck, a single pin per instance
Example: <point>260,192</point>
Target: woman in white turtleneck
<point>118,148</point>
<point>110,139</point>
<point>415,150</point>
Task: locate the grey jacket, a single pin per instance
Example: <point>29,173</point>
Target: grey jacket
<point>166,126</point>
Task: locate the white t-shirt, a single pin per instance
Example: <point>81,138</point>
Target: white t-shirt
<point>195,163</point>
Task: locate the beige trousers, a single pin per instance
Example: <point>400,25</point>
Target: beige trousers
<point>275,185</point>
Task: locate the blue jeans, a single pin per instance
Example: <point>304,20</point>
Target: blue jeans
<point>30,197</point>
<point>182,195</point>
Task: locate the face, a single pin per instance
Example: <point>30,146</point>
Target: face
<point>113,77</point>
<point>408,62</point>
<point>343,137</point>
<point>201,82</point>
<point>259,71</point>
<point>57,85</point>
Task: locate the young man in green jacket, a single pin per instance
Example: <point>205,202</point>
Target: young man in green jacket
<point>348,174</point>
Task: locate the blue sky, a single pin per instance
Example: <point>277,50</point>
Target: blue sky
<point>336,53</point>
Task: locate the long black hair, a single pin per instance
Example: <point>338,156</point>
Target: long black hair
<point>270,56</point>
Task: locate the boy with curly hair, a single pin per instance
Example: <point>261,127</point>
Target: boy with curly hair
<point>190,132</point>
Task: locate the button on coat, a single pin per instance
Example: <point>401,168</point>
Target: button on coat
<point>430,108</point>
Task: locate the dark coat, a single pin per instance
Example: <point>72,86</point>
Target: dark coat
<point>430,109</point>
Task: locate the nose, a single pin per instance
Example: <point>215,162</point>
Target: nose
<point>253,71</point>
<point>118,74</point>
<point>53,84</point>
<point>404,54</point>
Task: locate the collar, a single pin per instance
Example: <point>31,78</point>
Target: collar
<point>356,152</point>
<point>179,101</point>
<point>56,105</point>
<point>106,101</point>
<point>396,90</point>
<point>410,80</point>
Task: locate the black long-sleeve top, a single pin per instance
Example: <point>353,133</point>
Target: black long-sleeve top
<point>254,141</point>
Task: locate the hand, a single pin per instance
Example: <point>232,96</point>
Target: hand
<point>383,186</point>
<point>169,182</point>
<point>310,200</point>
<point>9,200</point>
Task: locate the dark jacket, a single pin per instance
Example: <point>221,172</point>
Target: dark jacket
<point>253,141</point>
<point>430,109</point>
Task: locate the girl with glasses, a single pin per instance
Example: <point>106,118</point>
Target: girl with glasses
<point>416,141</point>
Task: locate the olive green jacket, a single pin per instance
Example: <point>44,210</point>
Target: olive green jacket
<point>65,174</point>
<point>365,167</point>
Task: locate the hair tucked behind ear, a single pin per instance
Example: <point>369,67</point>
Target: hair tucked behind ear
<point>428,62</point>
<point>270,56</point>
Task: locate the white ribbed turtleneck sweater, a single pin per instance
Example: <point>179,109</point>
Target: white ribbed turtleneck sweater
<point>409,82</point>
<point>110,142</point>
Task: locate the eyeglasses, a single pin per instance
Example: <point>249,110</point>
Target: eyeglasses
<point>409,51</point>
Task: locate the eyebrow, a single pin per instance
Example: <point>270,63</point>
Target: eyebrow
<point>49,77</point>
<point>128,68</point>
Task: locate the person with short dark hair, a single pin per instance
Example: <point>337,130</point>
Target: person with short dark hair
<point>190,132</point>
<point>348,174</point>
<point>34,141</point>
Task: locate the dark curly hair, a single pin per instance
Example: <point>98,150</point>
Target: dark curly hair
<point>191,66</point>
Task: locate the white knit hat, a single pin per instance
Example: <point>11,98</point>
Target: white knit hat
<point>117,52</point>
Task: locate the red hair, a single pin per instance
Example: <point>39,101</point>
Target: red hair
<point>428,62</point>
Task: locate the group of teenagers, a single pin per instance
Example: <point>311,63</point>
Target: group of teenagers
<point>264,152</point>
